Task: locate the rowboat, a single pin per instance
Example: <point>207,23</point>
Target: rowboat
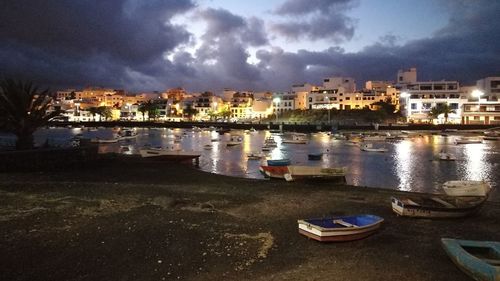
<point>369,147</point>
<point>437,206</point>
<point>344,228</point>
<point>466,188</point>
<point>295,173</point>
<point>314,156</point>
<point>276,172</point>
<point>467,141</point>
<point>168,154</point>
<point>478,259</point>
<point>278,162</point>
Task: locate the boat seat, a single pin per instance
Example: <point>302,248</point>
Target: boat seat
<point>441,201</point>
<point>344,223</point>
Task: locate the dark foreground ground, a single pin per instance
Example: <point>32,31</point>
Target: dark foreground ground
<point>134,220</point>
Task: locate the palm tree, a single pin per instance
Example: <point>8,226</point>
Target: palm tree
<point>24,109</point>
<point>105,112</point>
<point>441,108</point>
<point>93,111</point>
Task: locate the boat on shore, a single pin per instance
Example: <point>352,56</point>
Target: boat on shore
<point>478,259</point>
<point>275,172</point>
<point>437,206</point>
<point>466,188</point>
<point>168,154</point>
<point>343,228</point>
<point>295,173</point>
<point>370,148</point>
<point>99,140</point>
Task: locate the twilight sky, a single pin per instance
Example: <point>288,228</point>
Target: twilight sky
<point>246,45</point>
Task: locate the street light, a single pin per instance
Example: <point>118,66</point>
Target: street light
<point>406,96</point>
<point>276,102</point>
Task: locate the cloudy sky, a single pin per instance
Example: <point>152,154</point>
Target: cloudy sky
<point>246,45</point>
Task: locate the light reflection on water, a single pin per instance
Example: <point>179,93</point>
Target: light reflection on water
<point>408,165</point>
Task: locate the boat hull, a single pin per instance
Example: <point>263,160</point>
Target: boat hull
<point>329,230</point>
<point>296,173</point>
<point>466,188</point>
<point>408,209</point>
<point>277,172</point>
<point>485,267</point>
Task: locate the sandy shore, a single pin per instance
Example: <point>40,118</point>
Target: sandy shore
<point>136,220</point>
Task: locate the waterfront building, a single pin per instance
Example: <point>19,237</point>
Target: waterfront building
<point>241,105</point>
<point>418,98</point>
<point>207,105</point>
<point>301,92</point>
<point>174,94</point>
<point>482,106</point>
<point>261,108</point>
<point>283,101</point>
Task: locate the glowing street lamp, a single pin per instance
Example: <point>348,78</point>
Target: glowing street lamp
<point>276,102</point>
<point>405,95</point>
<point>477,94</point>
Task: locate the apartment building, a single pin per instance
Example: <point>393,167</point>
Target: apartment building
<point>483,105</point>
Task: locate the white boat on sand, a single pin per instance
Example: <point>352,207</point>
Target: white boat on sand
<point>466,188</point>
<point>315,173</point>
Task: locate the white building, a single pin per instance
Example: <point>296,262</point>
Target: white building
<point>483,106</point>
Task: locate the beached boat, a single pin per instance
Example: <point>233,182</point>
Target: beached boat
<point>437,206</point>
<point>277,172</point>
<point>315,156</point>
<point>278,162</point>
<point>314,173</point>
<point>168,154</point>
<point>446,156</point>
<point>478,259</point>
<point>467,140</point>
<point>344,228</point>
<point>369,147</point>
<point>466,188</point>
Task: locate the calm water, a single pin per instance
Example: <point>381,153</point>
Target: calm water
<point>408,165</point>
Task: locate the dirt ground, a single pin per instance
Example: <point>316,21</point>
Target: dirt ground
<point>126,219</point>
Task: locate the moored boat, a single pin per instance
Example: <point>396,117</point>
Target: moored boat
<point>446,156</point>
<point>295,173</point>
<point>478,259</point>
<point>99,140</point>
<point>296,139</point>
<point>437,206</point>
<point>344,228</point>
<point>254,156</point>
<point>466,188</point>
<point>277,172</point>
<point>234,140</point>
<point>208,146</point>
<point>314,156</point>
<point>127,134</point>
<point>468,141</point>
<point>370,148</point>
<point>168,154</point>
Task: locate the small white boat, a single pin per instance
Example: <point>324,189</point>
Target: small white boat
<point>296,139</point>
<point>168,154</point>
<point>468,140</point>
<point>374,138</point>
<point>208,146</point>
<point>446,156</point>
<point>314,172</point>
<point>127,134</point>
<point>437,206</point>
<point>466,188</point>
<point>234,140</point>
<point>255,156</point>
<point>369,147</point>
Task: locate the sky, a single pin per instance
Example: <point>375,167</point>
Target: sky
<point>260,45</point>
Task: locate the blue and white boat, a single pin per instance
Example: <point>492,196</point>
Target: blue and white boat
<point>344,228</point>
<point>478,259</point>
<point>278,162</point>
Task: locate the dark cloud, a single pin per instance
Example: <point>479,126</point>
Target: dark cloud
<point>316,19</point>
<point>83,39</point>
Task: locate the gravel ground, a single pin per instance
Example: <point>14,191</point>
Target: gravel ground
<point>129,219</point>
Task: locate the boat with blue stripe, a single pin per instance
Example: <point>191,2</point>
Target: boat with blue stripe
<point>278,162</point>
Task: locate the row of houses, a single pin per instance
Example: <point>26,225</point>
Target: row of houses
<point>469,104</point>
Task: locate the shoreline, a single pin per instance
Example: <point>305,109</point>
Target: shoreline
<point>161,221</point>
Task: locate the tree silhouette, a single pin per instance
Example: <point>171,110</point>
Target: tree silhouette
<point>24,109</point>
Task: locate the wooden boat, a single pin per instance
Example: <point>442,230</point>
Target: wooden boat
<point>314,156</point>
<point>168,154</point>
<point>478,259</point>
<point>369,147</point>
<point>491,136</point>
<point>277,172</point>
<point>466,188</point>
<point>345,228</point>
<point>295,173</point>
<point>437,206</point>
<point>278,162</point>
<point>446,156</point>
<point>467,141</point>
